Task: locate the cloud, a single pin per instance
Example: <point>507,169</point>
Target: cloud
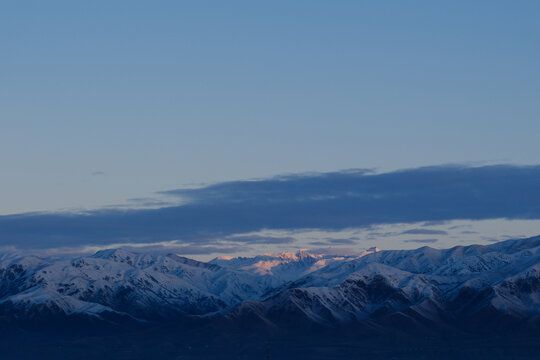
<point>329,201</point>
<point>257,239</point>
<point>318,243</point>
<point>207,250</point>
<point>330,241</point>
<point>424,232</point>
<point>147,200</point>
<point>160,247</point>
<point>434,222</point>
<point>341,241</point>
<point>421,241</point>
<point>378,234</point>
<point>97,173</point>
<point>459,226</point>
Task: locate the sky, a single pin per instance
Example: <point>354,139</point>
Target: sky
<point>126,104</point>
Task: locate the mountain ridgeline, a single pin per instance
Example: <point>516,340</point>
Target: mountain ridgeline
<point>355,304</point>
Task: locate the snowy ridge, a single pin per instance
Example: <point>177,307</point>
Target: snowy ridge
<point>142,285</point>
<point>285,266</point>
<point>422,285</point>
<point>426,283</point>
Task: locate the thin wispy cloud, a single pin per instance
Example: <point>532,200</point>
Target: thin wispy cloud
<point>207,250</point>
<point>256,239</point>
<point>435,222</point>
<point>421,241</point>
<point>341,241</point>
<point>424,232</point>
<point>333,242</point>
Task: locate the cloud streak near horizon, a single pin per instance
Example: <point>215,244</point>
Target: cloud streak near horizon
<point>328,201</point>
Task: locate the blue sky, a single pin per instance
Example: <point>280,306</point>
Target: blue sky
<point>102,102</point>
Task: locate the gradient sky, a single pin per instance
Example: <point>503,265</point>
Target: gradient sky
<point>108,105</point>
<point>103,101</point>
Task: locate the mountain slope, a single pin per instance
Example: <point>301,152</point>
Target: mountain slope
<point>450,288</point>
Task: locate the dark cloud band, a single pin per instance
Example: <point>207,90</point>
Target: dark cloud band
<point>327,201</point>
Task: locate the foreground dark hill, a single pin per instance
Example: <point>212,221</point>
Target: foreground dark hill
<point>464,302</point>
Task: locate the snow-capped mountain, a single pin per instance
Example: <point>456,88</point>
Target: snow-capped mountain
<point>285,266</point>
<point>421,286</point>
<point>138,285</point>
<point>424,285</point>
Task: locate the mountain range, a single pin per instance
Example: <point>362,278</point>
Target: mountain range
<point>466,292</point>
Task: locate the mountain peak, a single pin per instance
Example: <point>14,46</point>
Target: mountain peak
<point>114,254</point>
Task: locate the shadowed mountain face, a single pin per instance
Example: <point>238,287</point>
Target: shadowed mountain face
<point>403,298</point>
